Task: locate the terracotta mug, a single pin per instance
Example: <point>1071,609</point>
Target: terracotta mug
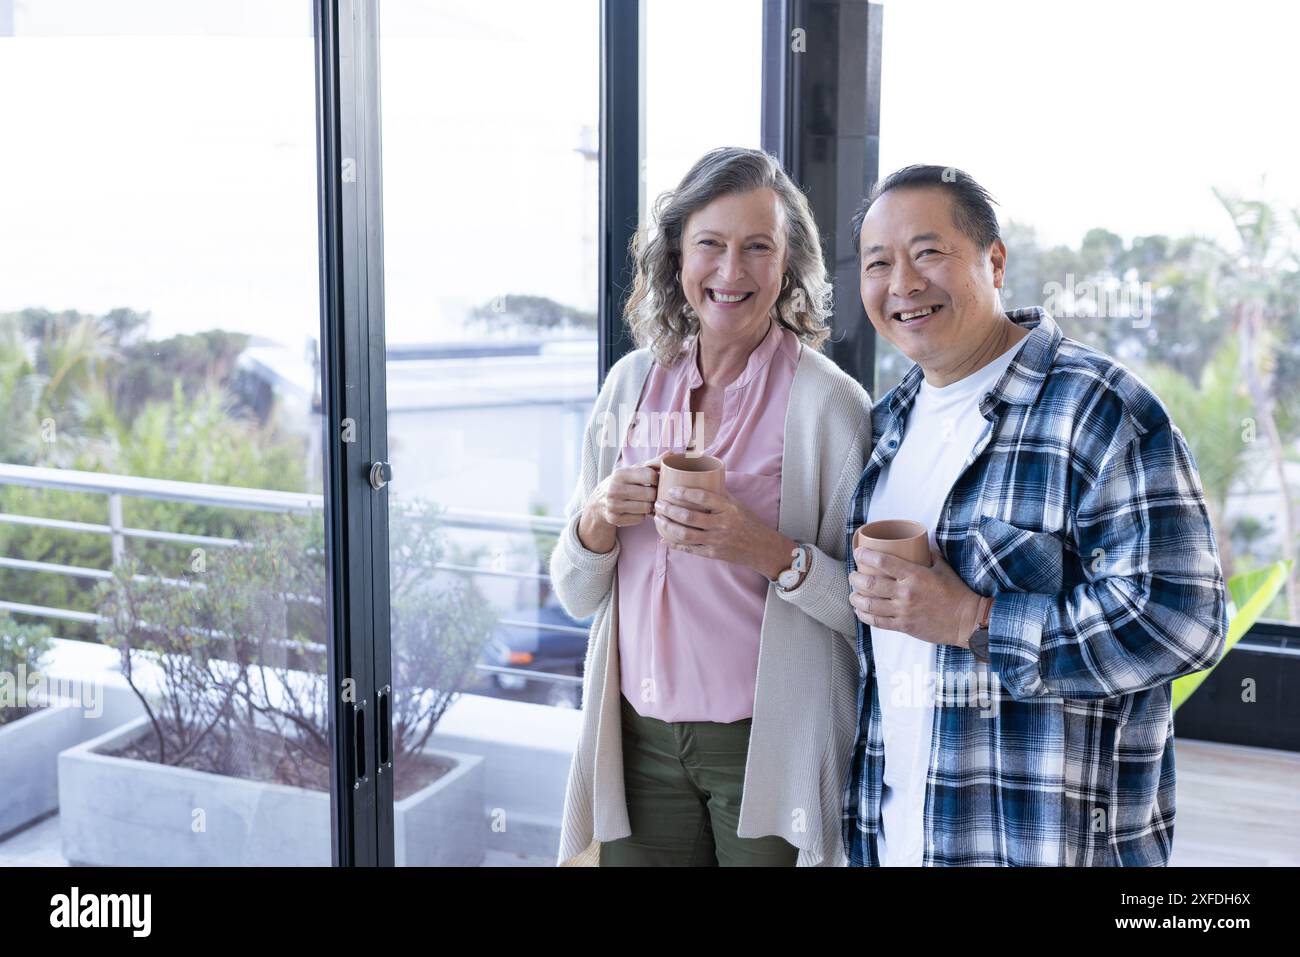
<point>678,470</point>
<point>904,539</point>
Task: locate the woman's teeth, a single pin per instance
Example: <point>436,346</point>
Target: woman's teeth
<point>723,297</point>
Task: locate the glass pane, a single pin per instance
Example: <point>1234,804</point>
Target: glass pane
<point>1152,210</point>
<point>703,85</point>
<point>162,580</point>
<point>490,197</point>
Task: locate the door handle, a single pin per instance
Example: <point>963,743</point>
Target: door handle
<point>359,774</point>
<point>384,719</point>
<point>381,473</point>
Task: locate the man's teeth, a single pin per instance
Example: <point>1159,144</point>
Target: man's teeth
<point>723,297</point>
<point>907,316</point>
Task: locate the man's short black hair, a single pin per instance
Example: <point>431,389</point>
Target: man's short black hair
<point>972,205</point>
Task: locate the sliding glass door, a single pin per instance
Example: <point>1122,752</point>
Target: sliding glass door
<point>490,166</point>
<point>164,606</point>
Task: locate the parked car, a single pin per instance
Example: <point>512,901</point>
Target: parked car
<point>524,642</point>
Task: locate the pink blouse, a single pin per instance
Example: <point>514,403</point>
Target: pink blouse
<point>689,625</point>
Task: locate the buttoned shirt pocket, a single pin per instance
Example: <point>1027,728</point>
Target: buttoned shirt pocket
<point>1005,557</point>
<point>761,494</point>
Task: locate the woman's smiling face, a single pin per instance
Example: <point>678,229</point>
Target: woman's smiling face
<point>733,259</point>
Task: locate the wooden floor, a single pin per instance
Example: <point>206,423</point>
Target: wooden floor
<point>1236,806</point>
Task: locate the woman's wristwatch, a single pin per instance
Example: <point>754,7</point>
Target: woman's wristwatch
<point>793,577</point>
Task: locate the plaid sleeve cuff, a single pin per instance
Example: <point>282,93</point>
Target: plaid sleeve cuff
<point>1016,623</point>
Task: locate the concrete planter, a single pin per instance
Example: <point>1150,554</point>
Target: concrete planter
<point>29,748</point>
<point>124,812</point>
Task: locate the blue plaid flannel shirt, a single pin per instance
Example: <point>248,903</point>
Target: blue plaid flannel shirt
<point>1080,510</point>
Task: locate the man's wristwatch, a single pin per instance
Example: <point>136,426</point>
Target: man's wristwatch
<point>793,577</point>
<point>979,638</point>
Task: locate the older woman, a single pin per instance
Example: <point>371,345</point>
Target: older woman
<point>719,694</point>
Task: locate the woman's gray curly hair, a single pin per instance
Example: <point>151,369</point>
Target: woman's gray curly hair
<point>657,313</point>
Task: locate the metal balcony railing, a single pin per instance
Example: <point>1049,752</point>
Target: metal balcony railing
<point>117,487</point>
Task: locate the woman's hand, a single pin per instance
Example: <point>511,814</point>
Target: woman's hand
<point>625,497</point>
<point>715,525</point>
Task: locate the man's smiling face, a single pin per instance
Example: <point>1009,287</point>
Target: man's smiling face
<point>926,286</point>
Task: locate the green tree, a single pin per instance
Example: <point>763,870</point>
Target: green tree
<point>1210,414</point>
<point>91,393</point>
<point>1261,307</point>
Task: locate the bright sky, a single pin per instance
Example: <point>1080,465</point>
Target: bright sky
<point>141,170</point>
<point>1114,113</point>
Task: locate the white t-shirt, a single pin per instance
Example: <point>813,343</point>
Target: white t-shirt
<point>942,428</point>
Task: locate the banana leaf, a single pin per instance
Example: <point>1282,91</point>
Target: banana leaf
<point>1251,593</point>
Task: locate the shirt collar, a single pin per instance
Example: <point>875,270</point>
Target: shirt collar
<point>760,357</point>
<point>1023,379</point>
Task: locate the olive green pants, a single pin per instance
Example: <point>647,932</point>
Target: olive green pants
<point>683,781</point>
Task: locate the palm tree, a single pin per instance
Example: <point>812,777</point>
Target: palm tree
<point>1210,414</point>
<point>20,395</point>
<point>1249,283</point>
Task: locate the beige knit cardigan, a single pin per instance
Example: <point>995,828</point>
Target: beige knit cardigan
<point>805,698</point>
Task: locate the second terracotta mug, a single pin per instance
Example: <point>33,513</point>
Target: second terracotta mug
<point>678,470</point>
<point>905,539</point>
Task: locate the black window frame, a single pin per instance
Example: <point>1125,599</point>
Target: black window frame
<point>354,417</point>
<point>621,76</point>
<point>821,118</point>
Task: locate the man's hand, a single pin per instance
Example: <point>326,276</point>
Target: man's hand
<point>932,604</point>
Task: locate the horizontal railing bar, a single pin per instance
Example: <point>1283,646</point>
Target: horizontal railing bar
<point>490,572</point>
<point>541,626</point>
<point>85,616</point>
<point>233,496</point>
<point>181,538</point>
<point>43,611</point>
<point>92,528</point>
<point>59,523</point>
<point>169,490</point>
<point>502,521</point>
<point>71,571</point>
<point>78,571</point>
<point>550,676</point>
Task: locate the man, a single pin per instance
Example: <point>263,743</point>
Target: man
<point>1075,572</point>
